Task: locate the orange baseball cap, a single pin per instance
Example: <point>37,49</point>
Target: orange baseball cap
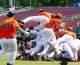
<point>53,15</point>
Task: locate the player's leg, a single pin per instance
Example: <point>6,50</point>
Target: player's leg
<point>69,50</point>
<point>4,47</point>
<point>75,47</point>
<point>12,48</point>
<point>36,49</point>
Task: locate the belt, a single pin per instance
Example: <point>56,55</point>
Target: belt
<point>6,37</point>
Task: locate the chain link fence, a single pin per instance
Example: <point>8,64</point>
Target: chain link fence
<point>26,4</point>
<point>19,5</point>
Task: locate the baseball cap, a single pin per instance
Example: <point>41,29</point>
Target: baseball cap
<point>59,15</point>
<point>10,14</point>
<point>53,15</point>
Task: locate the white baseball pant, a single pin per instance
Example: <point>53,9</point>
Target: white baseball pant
<point>9,45</point>
<point>44,36</point>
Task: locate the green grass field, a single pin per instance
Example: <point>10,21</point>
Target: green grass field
<point>4,59</point>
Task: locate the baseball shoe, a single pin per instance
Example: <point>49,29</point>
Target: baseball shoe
<point>9,64</point>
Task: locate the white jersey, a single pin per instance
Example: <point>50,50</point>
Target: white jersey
<point>76,43</point>
<point>45,35</point>
<point>41,19</point>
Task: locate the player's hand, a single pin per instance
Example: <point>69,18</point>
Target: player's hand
<point>27,33</point>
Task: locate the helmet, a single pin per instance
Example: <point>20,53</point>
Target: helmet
<point>10,14</point>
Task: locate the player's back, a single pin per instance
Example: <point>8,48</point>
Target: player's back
<point>8,27</point>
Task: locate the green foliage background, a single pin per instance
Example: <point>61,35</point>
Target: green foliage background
<point>38,3</point>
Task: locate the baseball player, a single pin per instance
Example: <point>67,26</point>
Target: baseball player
<point>43,37</point>
<point>43,20</point>
<point>67,43</point>
<point>8,42</point>
<point>54,23</point>
<point>71,52</point>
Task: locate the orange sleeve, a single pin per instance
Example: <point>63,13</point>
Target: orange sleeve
<point>17,25</point>
<point>74,35</point>
<point>48,15</point>
<point>71,34</point>
<point>48,25</point>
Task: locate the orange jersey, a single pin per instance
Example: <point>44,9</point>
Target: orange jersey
<point>8,28</point>
<point>55,23</point>
<point>49,25</point>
